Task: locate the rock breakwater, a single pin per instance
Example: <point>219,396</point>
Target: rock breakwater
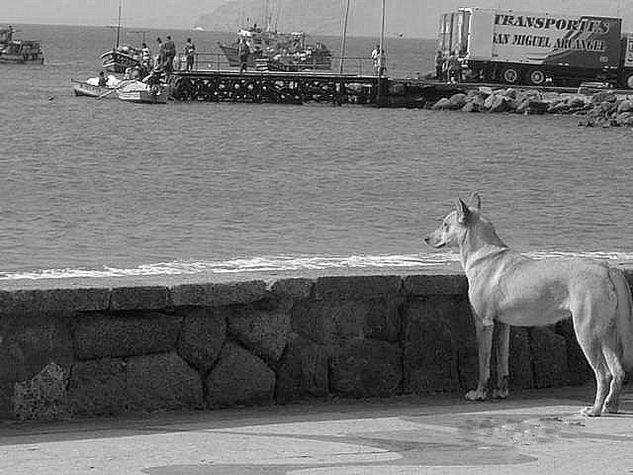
<point>599,109</point>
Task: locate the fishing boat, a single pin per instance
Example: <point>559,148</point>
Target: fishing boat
<point>120,57</point>
<point>17,51</point>
<point>142,93</point>
<point>83,88</point>
<point>278,51</point>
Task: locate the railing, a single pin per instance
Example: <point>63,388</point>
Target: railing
<point>352,65</point>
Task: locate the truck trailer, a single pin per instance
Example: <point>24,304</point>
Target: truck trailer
<point>512,47</point>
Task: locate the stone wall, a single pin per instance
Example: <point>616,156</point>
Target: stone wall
<point>97,351</point>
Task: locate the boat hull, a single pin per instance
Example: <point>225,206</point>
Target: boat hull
<point>117,62</point>
<point>81,88</point>
<point>18,59</point>
<point>143,97</point>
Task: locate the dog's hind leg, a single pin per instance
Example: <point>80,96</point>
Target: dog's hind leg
<point>484,344</point>
<point>612,402</point>
<point>502,353</point>
<point>593,352</point>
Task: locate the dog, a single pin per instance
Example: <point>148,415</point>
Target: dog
<point>506,288</point>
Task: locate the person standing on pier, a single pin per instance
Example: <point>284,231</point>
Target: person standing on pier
<point>375,58</point>
<point>190,53</point>
<point>146,58</point>
<point>160,57</point>
<point>242,52</point>
<point>170,54</point>
<point>439,65</point>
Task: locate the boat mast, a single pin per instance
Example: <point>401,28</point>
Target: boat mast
<point>340,71</point>
<point>381,53</point>
<point>118,26</point>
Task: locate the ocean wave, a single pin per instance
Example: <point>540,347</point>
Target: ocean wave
<point>272,264</point>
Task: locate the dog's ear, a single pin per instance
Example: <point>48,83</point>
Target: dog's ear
<point>474,201</point>
<point>463,213</point>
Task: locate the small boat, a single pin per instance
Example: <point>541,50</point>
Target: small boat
<point>141,93</point>
<point>278,51</point>
<point>19,51</point>
<point>83,88</point>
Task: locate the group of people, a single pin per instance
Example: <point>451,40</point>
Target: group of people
<point>447,67</point>
<point>167,54</point>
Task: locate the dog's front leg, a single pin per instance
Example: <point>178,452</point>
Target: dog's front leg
<point>484,344</point>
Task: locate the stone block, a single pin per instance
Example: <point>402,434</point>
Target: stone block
<point>239,378</point>
<point>43,397</point>
<point>217,295</point>
<point>302,371</point>
<point>101,336</point>
<point>367,368</point>
<point>292,289</point>
<point>334,323</point>
<point>427,285</point>
<point>28,344</point>
<point>139,298</point>
<point>202,337</point>
<point>265,333</point>
<point>578,369</point>
<point>53,302</point>
<point>356,287</point>
<point>549,356</point>
<point>520,364</point>
<point>162,381</point>
<point>436,342</point>
<point>98,387</point>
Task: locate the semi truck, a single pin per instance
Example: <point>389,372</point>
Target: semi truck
<point>505,46</point>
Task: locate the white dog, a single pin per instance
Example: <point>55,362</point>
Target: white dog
<point>507,288</point>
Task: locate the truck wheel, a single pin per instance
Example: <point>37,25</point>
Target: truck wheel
<point>629,81</point>
<point>536,77</point>
<point>510,75</point>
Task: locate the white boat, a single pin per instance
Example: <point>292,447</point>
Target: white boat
<point>91,88</point>
<point>139,92</point>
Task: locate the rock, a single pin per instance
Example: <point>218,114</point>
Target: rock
<point>356,287</point>
<point>510,93</point>
<point>367,368</point>
<point>133,298</point>
<point>203,335</point>
<point>607,108</point>
<point>162,381</point>
<point>239,378</point>
<point>576,102</point>
<point>442,104</point>
<point>559,108</point>
<point>101,336</point>
<point>604,96</point>
<point>625,106</point>
<point>625,119</point>
<point>457,101</point>
<point>44,396</point>
<point>218,295</point>
<point>98,387</point>
<point>264,333</point>
<point>499,104</point>
<point>531,106</point>
<point>439,345</point>
<point>27,345</point>
<point>485,91</point>
<point>520,364</point>
<point>303,370</point>
<point>471,106</point>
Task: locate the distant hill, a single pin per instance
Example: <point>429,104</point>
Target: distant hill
<point>408,18</point>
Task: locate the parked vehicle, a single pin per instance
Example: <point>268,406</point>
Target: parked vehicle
<point>511,47</point>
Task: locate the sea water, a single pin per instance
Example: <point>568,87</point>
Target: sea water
<point>106,188</point>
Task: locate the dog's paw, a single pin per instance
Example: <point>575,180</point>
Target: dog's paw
<point>500,393</point>
<point>590,412</point>
<point>476,395</point>
<point>610,408</point>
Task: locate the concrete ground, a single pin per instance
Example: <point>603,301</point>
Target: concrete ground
<point>533,432</point>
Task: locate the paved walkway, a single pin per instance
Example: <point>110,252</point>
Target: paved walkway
<point>534,432</point>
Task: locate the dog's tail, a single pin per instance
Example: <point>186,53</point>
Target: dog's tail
<point>624,316</point>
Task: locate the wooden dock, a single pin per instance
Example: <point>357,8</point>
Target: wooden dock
<point>277,87</point>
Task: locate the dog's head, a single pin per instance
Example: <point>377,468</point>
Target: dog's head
<point>454,226</point>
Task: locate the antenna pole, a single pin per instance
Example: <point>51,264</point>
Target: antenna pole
<point>381,53</point>
<point>340,71</point>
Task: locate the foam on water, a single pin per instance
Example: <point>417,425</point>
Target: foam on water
<point>272,264</point>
